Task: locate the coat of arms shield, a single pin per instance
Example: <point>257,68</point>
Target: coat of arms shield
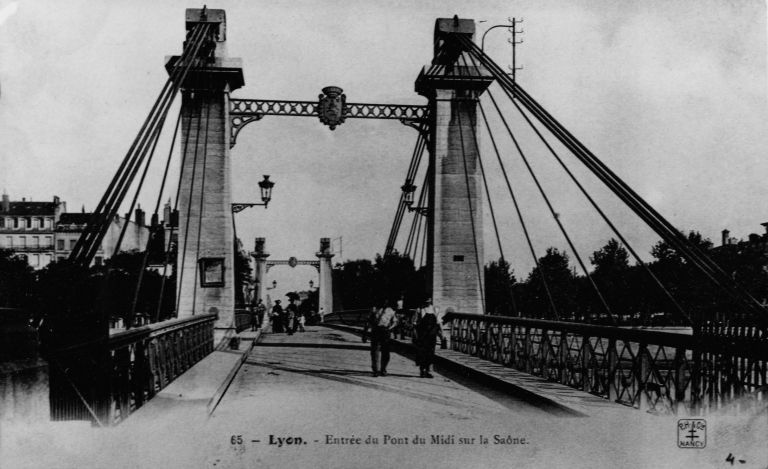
<point>330,107</point>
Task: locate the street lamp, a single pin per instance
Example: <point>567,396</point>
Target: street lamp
<point>265,185</point>
<point>408,189</point>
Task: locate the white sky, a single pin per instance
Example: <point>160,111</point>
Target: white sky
<point>671,95</point>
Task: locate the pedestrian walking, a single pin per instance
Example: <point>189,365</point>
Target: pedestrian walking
<point>291,312</point>
<point>427,331</point>
<point>380,322</point>
<point>301,321</point>
<point>277,317</point>
<point>260,312</point>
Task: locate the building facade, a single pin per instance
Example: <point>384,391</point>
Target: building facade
<point>44,231</point>
<point>29,228</point>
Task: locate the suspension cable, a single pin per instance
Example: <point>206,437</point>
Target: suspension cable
<point>552,211</point>
<point>96,228</point>
<point>478,261</point>
<point>519,214</point>
<point>175,212</point>
<point>153,230</point>
<point>658,223</point>
<point>189,205</point>
<point>604,216</point>
<point>201,206</point>
<point>413,167</point>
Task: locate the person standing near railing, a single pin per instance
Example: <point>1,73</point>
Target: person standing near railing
<point>427,331</point>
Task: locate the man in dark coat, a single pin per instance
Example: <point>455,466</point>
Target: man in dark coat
<point>425,337</point>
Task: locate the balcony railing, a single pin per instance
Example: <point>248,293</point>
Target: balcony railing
<point>105,381</point>
<point>653,370</point>
<point>42,248</point>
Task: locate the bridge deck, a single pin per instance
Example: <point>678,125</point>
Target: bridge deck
<point>318,383</point>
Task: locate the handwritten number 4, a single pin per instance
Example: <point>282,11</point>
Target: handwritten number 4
<point>731,459</point>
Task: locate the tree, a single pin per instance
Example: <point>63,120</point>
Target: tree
<point>499,282</point>
<point>560,281</point>
<point>16,280</point>
<point>611,259</point>
<point>611,272</point>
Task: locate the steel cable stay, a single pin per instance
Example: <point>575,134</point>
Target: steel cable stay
<point>400,211</point>
<point>418,151</point>
<point>551,208</point>
<point>599,210</point>
<point>519,214</point>
<point>416,221</point>
<point>179,248</point>
<point>419,219</point>
<point>687,249</point>
<point>140,185</point>
<point>478,261</point>
<point>96,219</point>
<point>152,234</point>
<point>641,208</point>
<point>167,248</point>
<point>201,206</point>
<point>143,148</point>
<point>104,211</point>
<point>487,191</point>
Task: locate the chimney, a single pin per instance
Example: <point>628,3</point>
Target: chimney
<point>765,225</point>
<point>167,213</point>
<point>175,218</point>
<point>56,200</point>
<point>155,220</point>
<point>6,203</point>
<point>726,233</point>
<point>139,216</point>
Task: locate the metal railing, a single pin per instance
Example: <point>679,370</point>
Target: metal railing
<point>242,319</point>
<point>358,317</point>
<point>106,380</point>
<point>652,370</point>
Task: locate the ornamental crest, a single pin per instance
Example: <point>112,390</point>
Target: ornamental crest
<point>331,106</point>
<point>293,262</point>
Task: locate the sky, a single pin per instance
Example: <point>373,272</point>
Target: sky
<point>669,94</point>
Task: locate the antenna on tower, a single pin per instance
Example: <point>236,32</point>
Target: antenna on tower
<point>514,41</point>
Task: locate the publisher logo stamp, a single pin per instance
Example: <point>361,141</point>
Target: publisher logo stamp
<point>692,433</point>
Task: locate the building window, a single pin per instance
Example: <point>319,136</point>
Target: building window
<point>45,259</point>
<point>2,222</point>
<point>60,244</point>
<point>29,222</point>
<point>40,222</point>
<point>60,258</point>
<point>99,260</point>
<point>34,261</point>
<point>48,223</point>
<point>48,242</point>
<point>15,222</point>
<point>35,241</point>
<point>72,243</point>
<point>22,241</point>
<point>9,241</point>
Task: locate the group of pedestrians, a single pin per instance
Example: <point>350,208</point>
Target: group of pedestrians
<point>383,321</point>
<point>287,319</point>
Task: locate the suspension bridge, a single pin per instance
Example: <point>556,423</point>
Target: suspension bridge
<point>200,365</point>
